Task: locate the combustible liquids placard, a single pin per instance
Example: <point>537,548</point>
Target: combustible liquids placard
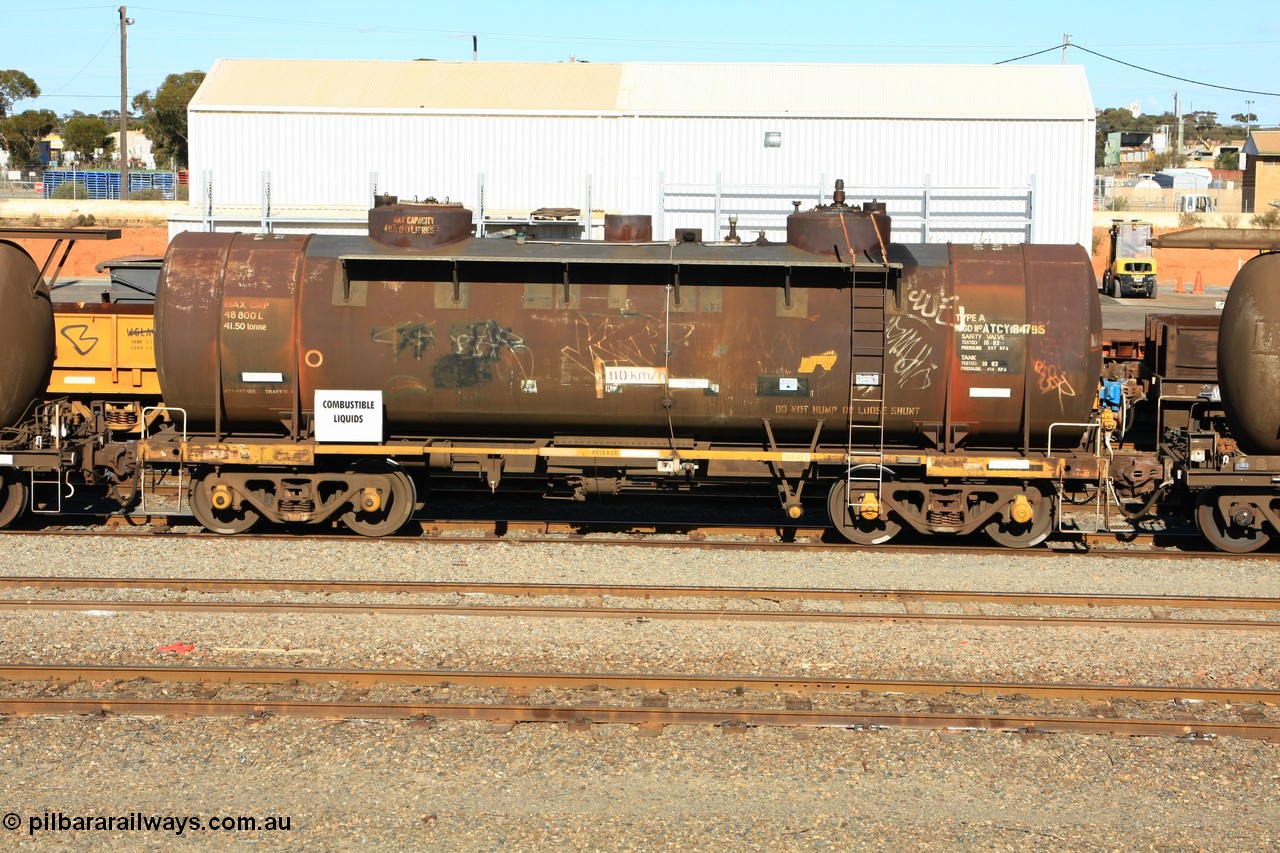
<point>348,416</point>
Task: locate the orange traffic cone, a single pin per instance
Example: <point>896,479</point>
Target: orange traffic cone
<point>1179,289</point>
<point>1199,285</point>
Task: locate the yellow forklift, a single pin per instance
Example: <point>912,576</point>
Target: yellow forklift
<point>1131,268</point>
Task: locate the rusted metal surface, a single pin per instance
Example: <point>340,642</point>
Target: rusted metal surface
<point>591,710</point>
<point>418,226</point>
<point>619,228</point>
<point>1249,355</point>
<point>630,681</point>
<point>486,337</point>
<point>26,331</point>
<point>989,345</point>
<point>225,326</point>
<point>904,596</point>
<point>1183,347</point>
<point>1219,238</point>
<point>585,715</point>
<point>840,230</point>
<point>60,233</point>
<point>530,611</point>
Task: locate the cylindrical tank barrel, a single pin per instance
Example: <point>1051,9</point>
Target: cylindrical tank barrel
<point>1249,355</point>
<point>949,345</point>
<point>26,332</point>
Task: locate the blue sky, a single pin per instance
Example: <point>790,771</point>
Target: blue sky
<point>73,51</point>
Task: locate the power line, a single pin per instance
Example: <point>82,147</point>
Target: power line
<point>1183,79</point>
<point>1029,55</point>
<point>1141,68</point>
<point>76,76</point>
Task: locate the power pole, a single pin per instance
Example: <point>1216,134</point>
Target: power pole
<point>1066,42</point>
<point>1177,153</point>
<point>125,21</point>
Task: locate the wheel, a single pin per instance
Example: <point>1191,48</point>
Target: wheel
<point>851,525</point>
<point>1106,284</point>
<point>1152,294</point>
<point>1023,534</point>
<point>1223,533</point>
<point>13,496</point>
<point>225,521</point>
<point>396,499</point>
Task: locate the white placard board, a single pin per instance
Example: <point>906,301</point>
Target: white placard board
<point>348,416</point>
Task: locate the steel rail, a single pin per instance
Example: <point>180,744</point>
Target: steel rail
<point>630,613</point>
<point>626,681</point>
<point>1043,599</point>
<point>766,536</point>
<point>655,717</point>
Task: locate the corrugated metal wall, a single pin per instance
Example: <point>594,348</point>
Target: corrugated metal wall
<point>545,161</point>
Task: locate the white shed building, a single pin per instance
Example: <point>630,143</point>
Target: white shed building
<point>959,153</point>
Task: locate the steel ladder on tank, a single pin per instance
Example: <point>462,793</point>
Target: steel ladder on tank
<point>867,348</point>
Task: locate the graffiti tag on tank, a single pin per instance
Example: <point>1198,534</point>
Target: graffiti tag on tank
<point>912,359</point>
<point>477,350</point>
<point>634,340</point>
<point>415,338</point>
<point>928,305</point>
<point>1052,381</point>
<point>826,360</point>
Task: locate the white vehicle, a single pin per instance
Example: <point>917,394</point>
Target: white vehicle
<point>1195,203</point>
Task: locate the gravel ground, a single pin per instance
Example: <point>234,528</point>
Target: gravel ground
<point>470,786</point>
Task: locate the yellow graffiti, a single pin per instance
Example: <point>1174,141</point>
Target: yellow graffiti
<point>826,361</point>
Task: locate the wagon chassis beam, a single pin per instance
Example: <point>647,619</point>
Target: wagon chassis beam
<point>285,453</point>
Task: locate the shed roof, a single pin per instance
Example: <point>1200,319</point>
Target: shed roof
<point>1038,92</point>
<point>1263,143</point>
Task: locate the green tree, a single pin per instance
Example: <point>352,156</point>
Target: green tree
<point>164,115</point>
<point>21,134</point>
<point>1164,160</point>
<point>15,86</point>
<point>86,136</point>
<point>1228,160</point>
<point>1121,120</point>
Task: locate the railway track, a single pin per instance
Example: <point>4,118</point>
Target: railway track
<point>602,601</point>
<point>1154,545</point>
<point>646,700</point>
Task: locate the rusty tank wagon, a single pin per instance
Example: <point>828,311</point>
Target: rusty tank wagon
<point>922,383</point>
